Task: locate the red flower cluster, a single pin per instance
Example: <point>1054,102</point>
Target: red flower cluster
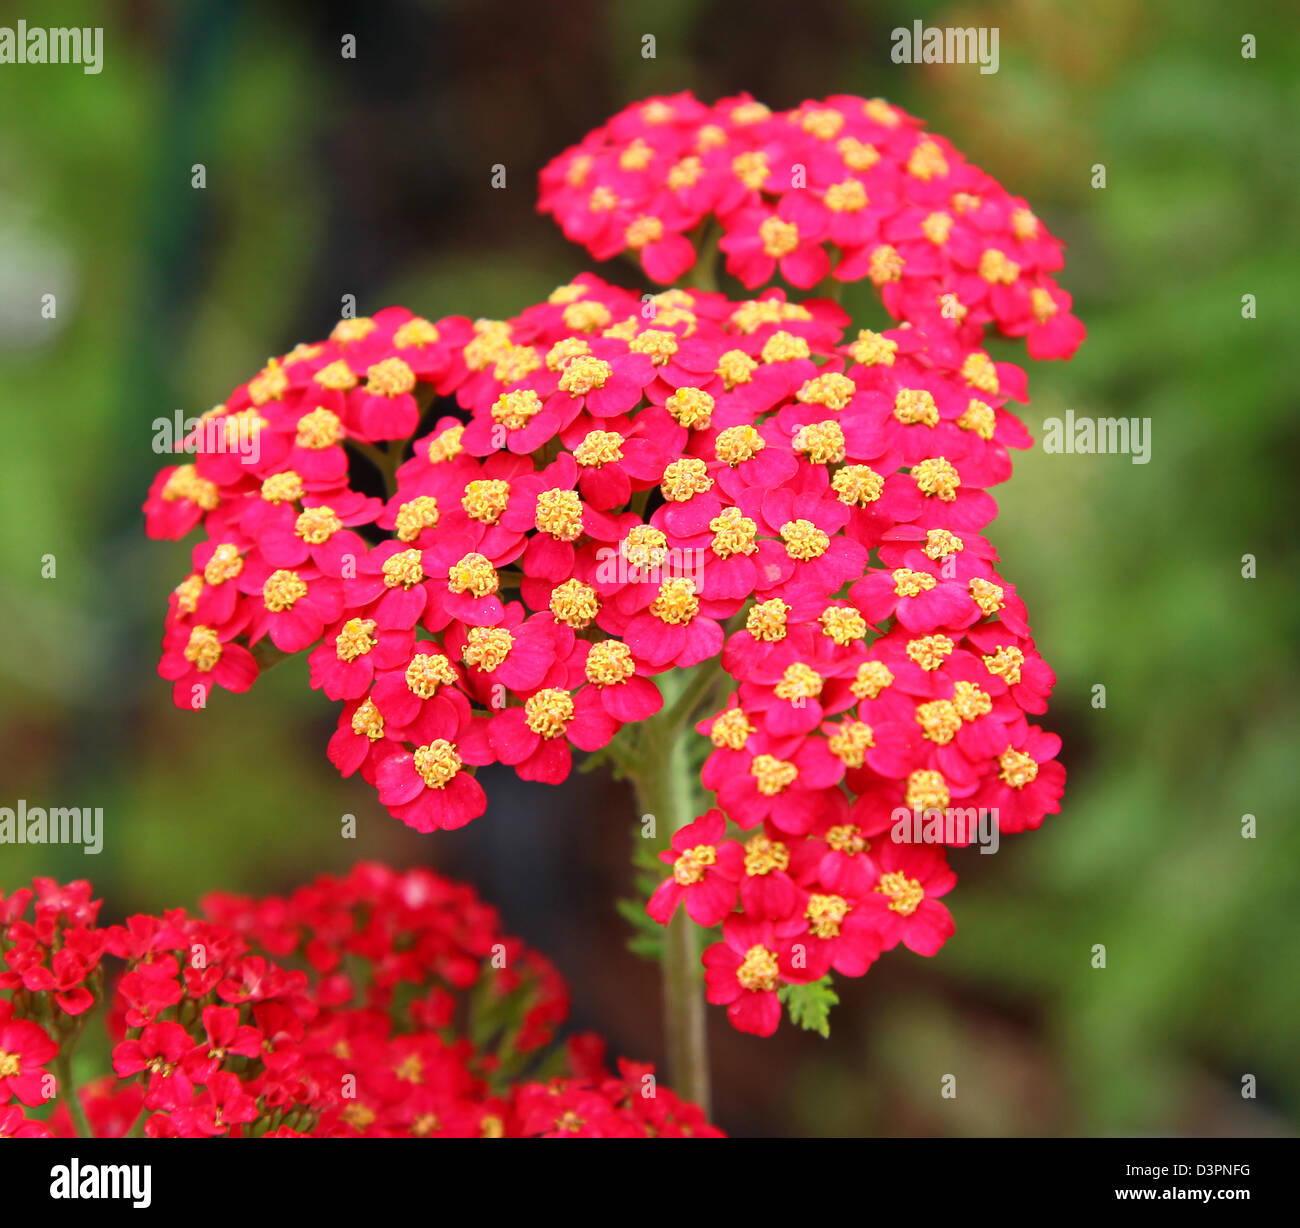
<point>342,1010</point>
<point>845,188</point>
<point>611,486</point>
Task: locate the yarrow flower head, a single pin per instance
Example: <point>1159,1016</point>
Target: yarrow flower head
<point>368,1036</point>
<point>510,541</point>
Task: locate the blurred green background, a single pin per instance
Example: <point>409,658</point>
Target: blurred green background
<point>328,176</point>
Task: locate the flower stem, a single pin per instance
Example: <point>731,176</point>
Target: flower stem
<point>68,1094</point>
<point>666,787</point>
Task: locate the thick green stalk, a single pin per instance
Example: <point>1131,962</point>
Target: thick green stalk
<point>667,788</point>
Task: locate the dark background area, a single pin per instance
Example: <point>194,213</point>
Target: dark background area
<point>371,177</point>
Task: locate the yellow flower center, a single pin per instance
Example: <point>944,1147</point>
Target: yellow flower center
<point>779,238</point>
<point>857,485</point>
<point>766,620</point>
<point>549,712</point>
<point>847,838</point>
<point>515,410</point>
<point>927,161</point>
<point>355,639</point>
<point>368,721</point>
<point>390,378</point>
<point>825,914</point>
<point>184,483</point>
<point>842,624</point>
<point>987,595</point>
<point>905,894</point>
<point>821,442</point>
<point>316,525</point>
<point>799,681</point>
<point>1018,768</point>
<point>609,663</point>
<point>405,568</point>
<point>319,429</point>
<point>676,602</point>
<point>225,564</point>
<point>689,867</point>
<point>642,231</point>
<point>737,444</point>
<point>850,743</point>
<point>733,533</point>
<point>927,790</point>
<point>871,678</point>
<point>575,604</point>
<point>416,332</point>
<point>871,349</point>
<point>979,371</point>
<point>939,721</point>
<point>759,971</point>
<point>426,672</point>
<point>980,418</point>
<point>847,197</point>
<point>804,540</point>
<point>995,267</point>
<point>735,367</point>
<point>283,590</point>
<point>772,774</point>
<point>203,650</point>
<point>914,406</point>
<point>438,763</point>
<point>930,651</point>
<point>908,583</point>
<point>585,374</point>
<point>599,448</point>
<point>486,648</point>
<point>730,729</point>
<point>885,265</point>
<point>1006,662</point>
<point>764,856</point>
<point>937,477</point>
<point>416,515</point>
<point>690,407</point>
<point>283,487</point>
<point>684,479</point>
<point>785,347</point>
<point>473,575</point>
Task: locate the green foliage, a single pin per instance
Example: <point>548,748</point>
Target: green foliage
<point>809,1006</point>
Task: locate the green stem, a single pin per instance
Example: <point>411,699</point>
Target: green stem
<point>704,274</point>
<point>666,788</point>
<point>68,1093</point>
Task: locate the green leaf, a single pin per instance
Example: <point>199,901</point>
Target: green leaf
<point>809,1006</point>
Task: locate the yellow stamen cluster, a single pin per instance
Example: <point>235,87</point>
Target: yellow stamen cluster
<point>905,894</point>
<point>390,378</point>
<point>437,763</point>
<point>599,448</point>
<point>937,477</point>
<point>283,590</point>
<point>319,429</point>
<point>730,729</point>
<point>404,569</point>
<point>737,444</point>
<point>549,712</point>
<point>850,743</point>
<point>804,541</point>
<point>832,390</point>
<point>486,648</point>
<point>316,525</point>
<point>857,485</point>
<point>842,624</point>
<point>821,442</point>
<point>426,672</point>
<point>766,620</point>
<point>764,856</point>
<point>872,350</point>
<point>515,410</point>
<point>684,479</point>
<point>575,604</point>
<point>559,513</point>
<point>915,406</point>
<point>690,866</point>
<point>676,602</point>
<point>930,651</point>
<point>1017,768</point>
<point>184,483</point>
<point>473,574</point>
<point>871,678</point>
<point>927,790</point>
<point>691,407</point>
<point>733,533</point>
<point>826,914</point>
<point>416,515</point>
<point>609,663</point>
<point>772,774</point>
<point>355,639</point>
